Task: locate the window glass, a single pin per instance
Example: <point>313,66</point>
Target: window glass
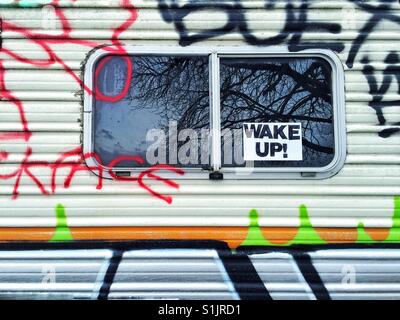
<point>277,90</point>
<point>155,107</point>
<point>281,114</point>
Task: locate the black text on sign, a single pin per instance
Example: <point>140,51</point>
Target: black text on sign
<point>272,142</point>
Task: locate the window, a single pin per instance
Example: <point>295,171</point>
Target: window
<point>166,104</point>
<point>240,113</point>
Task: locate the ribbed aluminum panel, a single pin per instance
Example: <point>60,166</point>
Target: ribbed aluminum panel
<point>124,272</point>
<point>359,205</point>
<point>172,274</point>
<point>52,106</point>
<point>46,274</point>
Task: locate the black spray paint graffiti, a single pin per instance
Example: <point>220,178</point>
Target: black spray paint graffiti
<point>240,267</point>
<point>383,12</point>
<point>295,26</point>
<point>379,13</point>
<point>390,73</point>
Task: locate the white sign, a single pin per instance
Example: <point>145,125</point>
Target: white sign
<point>272,142</point>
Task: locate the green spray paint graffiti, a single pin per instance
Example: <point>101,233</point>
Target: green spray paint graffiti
<point>305,235</point>
<point>63,232</point>
<point>255,236</point>
<point>308,235</point>
<point>394,233</point>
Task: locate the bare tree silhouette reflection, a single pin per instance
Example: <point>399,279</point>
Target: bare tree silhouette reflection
<point>177,88</point>
<point>252,90</point>
<point>281,90</point>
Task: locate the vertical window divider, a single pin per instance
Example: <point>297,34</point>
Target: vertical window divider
<point>215,112</point>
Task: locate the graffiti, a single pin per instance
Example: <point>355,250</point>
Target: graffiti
<point>379,13</point>
<point>244,273</point>
<point>253,235</point>
<point>127,81</point>
<point>237,261</point>
<point>25,169</point>
<point>391,72</point>
<point>295,25</point>
<point>307,273</point>
<point>307,234</point>
<point>80,165</point>
<point>44,42</point>
<point>63,233</point>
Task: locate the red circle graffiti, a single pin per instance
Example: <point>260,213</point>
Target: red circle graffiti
<point>99,95</point>
<point>3,155</point>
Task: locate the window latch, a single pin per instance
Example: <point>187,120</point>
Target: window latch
<point>216,176</point>
<point>123,174</point>
<point>308,174</point>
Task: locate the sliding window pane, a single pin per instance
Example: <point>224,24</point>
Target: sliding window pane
<point>155,107</point>
<point>288,92</point>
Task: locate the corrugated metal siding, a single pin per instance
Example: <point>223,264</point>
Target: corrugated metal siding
<point>127,272</point>
<point>362,195</point>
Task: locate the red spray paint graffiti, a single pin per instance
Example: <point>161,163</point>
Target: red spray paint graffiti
<point>99,95</point>
<point>45,41</point>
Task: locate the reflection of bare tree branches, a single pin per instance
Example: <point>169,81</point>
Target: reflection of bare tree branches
<point>252,90</point>
<point>174,87</point>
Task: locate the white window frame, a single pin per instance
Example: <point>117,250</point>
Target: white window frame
<point>215,54</point>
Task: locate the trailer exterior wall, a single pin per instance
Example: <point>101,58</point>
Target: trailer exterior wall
<point>44,45</point>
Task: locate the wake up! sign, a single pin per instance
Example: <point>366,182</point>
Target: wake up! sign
<point>272,142</point>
